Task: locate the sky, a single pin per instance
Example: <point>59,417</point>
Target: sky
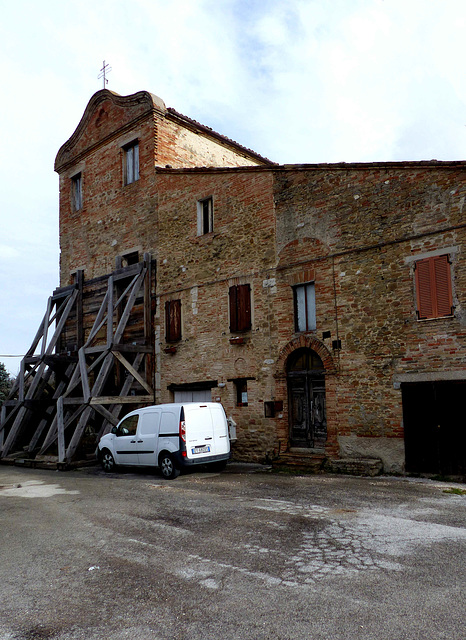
<point>298,81</point>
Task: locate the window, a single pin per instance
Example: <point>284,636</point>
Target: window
<point>241,387</point>
<point>305,307</point>
<point>433,287</point>
<point>131,162</point>
<point>173,320</point>
<point>128,426</point>
<point>205,216</point>
<point>240,308</point>
<point>76,192</point>
<point>127,259</point>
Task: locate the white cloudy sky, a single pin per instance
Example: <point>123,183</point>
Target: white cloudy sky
<point>295,80</point>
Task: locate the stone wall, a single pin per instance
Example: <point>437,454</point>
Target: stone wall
<point>198,270</point>
<point>356,231</point>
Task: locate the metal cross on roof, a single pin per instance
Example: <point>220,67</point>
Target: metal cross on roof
<point>103,73</point>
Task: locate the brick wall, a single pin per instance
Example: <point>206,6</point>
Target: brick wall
<point>360,232</point>
<point>356,231</point>
<point>199,270</point>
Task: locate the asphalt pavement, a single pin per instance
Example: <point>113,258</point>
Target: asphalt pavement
<point>244,554</point>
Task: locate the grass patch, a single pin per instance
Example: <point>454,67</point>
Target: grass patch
<point>456,491</point>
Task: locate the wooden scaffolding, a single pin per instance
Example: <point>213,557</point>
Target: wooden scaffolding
<point>91,358</point>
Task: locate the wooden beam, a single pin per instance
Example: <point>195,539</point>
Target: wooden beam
<point>110,313</point>
<point>22,371</point>
<point>116,408</point>
<point>133,372</point>
<point>62,292</point>
<point>61,430</point>
<point>38,336</point>
<point>98,322</point>
<point>46,328</point>
<point>129,305</point>
<point>16,427</point>
<point>132,348</point>
<point>53,432</point>
<point>106,414</point>
<point>42,424</point>
<point>79,278</point>
<point>96,391</point>
<point>122,400</point>
<point>84,378</point>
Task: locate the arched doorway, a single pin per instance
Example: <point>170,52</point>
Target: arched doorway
<point>306,391</point>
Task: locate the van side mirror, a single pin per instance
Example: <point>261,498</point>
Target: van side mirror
<point>114,430</point>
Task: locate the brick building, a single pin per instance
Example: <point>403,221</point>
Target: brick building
<point>323,305</point>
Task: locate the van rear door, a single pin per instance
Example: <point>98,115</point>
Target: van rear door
<point>206,430</point>
<point>220,428</point>
<point>200,442</point>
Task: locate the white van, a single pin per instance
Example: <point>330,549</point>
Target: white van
<point>168,436</point>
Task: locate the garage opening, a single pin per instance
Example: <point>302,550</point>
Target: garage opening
<point>435,427</point>
<point>193,391</point>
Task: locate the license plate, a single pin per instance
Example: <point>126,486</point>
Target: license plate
<point>202,449</point>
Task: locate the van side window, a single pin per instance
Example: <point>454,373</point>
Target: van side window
<point>150,423</point>
<point>170,424</point>
<point>128,426</point>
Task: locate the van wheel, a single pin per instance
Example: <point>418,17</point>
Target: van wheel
<point>107,461</point>
<point>167,467</point>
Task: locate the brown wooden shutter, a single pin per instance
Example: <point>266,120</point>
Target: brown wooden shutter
<point>433,287</point>
<point>240,308</point>
<point>423,289</point>
<point>244,307</point>
<point>173,320</point>
<point>233,309</point>
<point>442,276</point>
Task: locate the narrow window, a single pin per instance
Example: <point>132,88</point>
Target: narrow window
<point>240,308</point>
<point>205,216</point>
<point>433,287</point>
<point>241,387</point>
<point>173,320</point>
<point>131,162</point>
<point>76,191</point>
<point>305,307</point>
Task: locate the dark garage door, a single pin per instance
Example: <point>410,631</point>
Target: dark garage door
<point>434,415</point>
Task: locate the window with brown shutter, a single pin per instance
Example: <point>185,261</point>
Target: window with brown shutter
<point>433,287</point>
<point>240,307</point>
<point>173,320</point>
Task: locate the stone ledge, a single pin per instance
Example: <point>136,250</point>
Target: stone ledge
<point>355,466</point>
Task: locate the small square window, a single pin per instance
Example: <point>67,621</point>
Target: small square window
<point>127,259</point>
<point>305,307</point>
<point>131,160</point>
<point>205,216</point>
<point>76,192</point>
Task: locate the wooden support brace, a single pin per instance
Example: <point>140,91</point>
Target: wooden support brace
<point>133,372</point>
<point>106,414</point>
<point>61,430</point>
<point>84,378</point>
<point>122,400</point>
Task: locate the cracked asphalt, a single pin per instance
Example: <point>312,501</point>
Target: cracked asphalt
<point>237,555</point>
